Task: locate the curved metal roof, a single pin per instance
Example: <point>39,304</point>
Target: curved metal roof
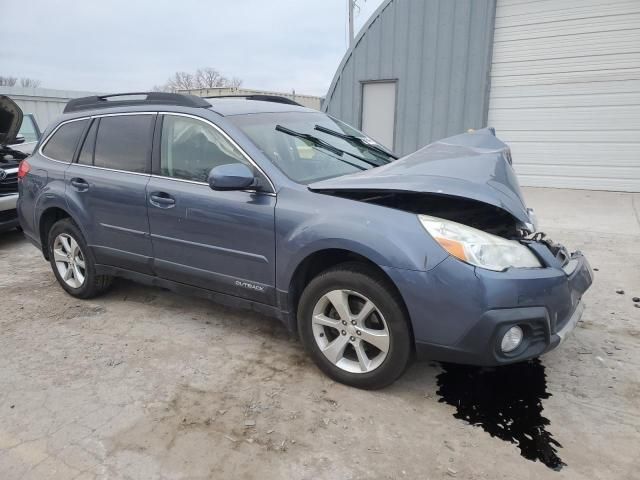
<point>363,31</point>
<point>438,54</point>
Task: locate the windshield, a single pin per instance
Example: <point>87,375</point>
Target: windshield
<point>306,153</point>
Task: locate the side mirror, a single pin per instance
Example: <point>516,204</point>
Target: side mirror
<point>232,176</point>
<point>19,139</point>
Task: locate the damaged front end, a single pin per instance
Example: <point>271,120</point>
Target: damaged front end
<point>466,179</point>
<point>466,195</point>
<point>515,294</point>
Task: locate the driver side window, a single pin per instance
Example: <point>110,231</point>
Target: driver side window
<point>191,148</point>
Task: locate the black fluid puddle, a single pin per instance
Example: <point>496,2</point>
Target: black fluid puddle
<point>506,402</point>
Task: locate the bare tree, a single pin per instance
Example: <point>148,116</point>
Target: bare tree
<point>29,82</point>
<point>160,88</point>
<point>181,81</point>
<point>202,78</point>
<point>209,78</point>
<point>6,81</point>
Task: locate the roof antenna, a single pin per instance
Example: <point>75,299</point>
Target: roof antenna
<point>352,4</point>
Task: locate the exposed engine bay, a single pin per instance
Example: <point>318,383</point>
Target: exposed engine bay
<point>469,212</point>
<point>9,156</point>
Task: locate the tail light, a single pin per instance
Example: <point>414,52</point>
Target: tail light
<point>23,169</point>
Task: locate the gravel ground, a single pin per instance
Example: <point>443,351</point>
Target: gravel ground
<point>145,384</point>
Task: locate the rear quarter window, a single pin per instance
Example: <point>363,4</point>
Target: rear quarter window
<point>62,144</point>
<point>123,142</point>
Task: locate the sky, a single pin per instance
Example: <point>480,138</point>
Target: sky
<point>117,45</point>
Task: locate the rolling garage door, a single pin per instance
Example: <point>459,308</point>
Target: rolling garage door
<point>565,91</point>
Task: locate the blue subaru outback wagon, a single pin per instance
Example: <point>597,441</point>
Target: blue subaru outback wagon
<point>262,203</point>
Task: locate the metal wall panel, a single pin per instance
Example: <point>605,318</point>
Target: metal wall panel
<point>45,103</point>
<point>438,51</point>
<point>565,91</point>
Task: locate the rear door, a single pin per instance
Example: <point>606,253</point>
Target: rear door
<point>106,189</point>
<point>218,240</point>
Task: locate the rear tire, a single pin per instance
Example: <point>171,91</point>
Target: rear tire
<point>355,327</point>
<point>72,261</point>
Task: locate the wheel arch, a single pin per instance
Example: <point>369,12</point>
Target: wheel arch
<point>319,261</point>
<point>46,220</point>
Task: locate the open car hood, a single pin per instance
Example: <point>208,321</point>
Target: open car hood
<point>474,165</point>
<point>10,120</point>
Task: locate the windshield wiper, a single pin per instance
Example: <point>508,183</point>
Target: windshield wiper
<point>355,139</point>
<point>310,138</point>
<point>321,144</point>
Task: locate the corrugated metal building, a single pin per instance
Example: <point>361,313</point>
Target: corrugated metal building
<point>429,60</point>
<point>559,80</point>
<point>45,103</point>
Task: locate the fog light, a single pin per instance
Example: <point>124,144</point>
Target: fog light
<point>512,339</point>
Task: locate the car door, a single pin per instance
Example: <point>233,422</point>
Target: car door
<point>218,240</point>
<point>105,189</point>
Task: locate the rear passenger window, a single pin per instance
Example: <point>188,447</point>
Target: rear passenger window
<point>86,152</point>
<point>123,142</point>
<point>62,145</point>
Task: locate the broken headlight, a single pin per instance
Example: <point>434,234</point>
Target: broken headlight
<point>477,247</point>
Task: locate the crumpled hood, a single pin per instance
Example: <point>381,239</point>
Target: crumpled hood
<point>474,165</point>
<point>10,120</point>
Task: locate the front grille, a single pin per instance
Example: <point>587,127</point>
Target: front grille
<point>7,215</point>
<point>9,184</point>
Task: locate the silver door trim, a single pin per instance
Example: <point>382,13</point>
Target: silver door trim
<point>177,114</point>
<point>195,182</point>
<point>111,169</point>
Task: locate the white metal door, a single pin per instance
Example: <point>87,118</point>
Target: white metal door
<point>565,91</point>
<point>379,111</point>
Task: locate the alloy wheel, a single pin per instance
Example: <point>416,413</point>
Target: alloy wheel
<point>69,260</point>
<point>350,331</point>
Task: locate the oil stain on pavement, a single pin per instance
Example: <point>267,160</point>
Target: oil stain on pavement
<point>506,402</point>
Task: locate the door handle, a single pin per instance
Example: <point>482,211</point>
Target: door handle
<point>79,184</point>
<point>162,200</point>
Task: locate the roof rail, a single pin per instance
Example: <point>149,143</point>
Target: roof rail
<point>147,98</point>
<point>261,97</point>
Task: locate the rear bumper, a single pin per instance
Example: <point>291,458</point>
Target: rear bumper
<point>459,314</point>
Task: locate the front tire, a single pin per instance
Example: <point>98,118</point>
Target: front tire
<point>354,325</point>
<point>72,261</point>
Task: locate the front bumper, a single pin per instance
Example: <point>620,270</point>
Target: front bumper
<point>481,346</point>
<point>8,202</point>
<point>8,212</point>
<point>459,313</point>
